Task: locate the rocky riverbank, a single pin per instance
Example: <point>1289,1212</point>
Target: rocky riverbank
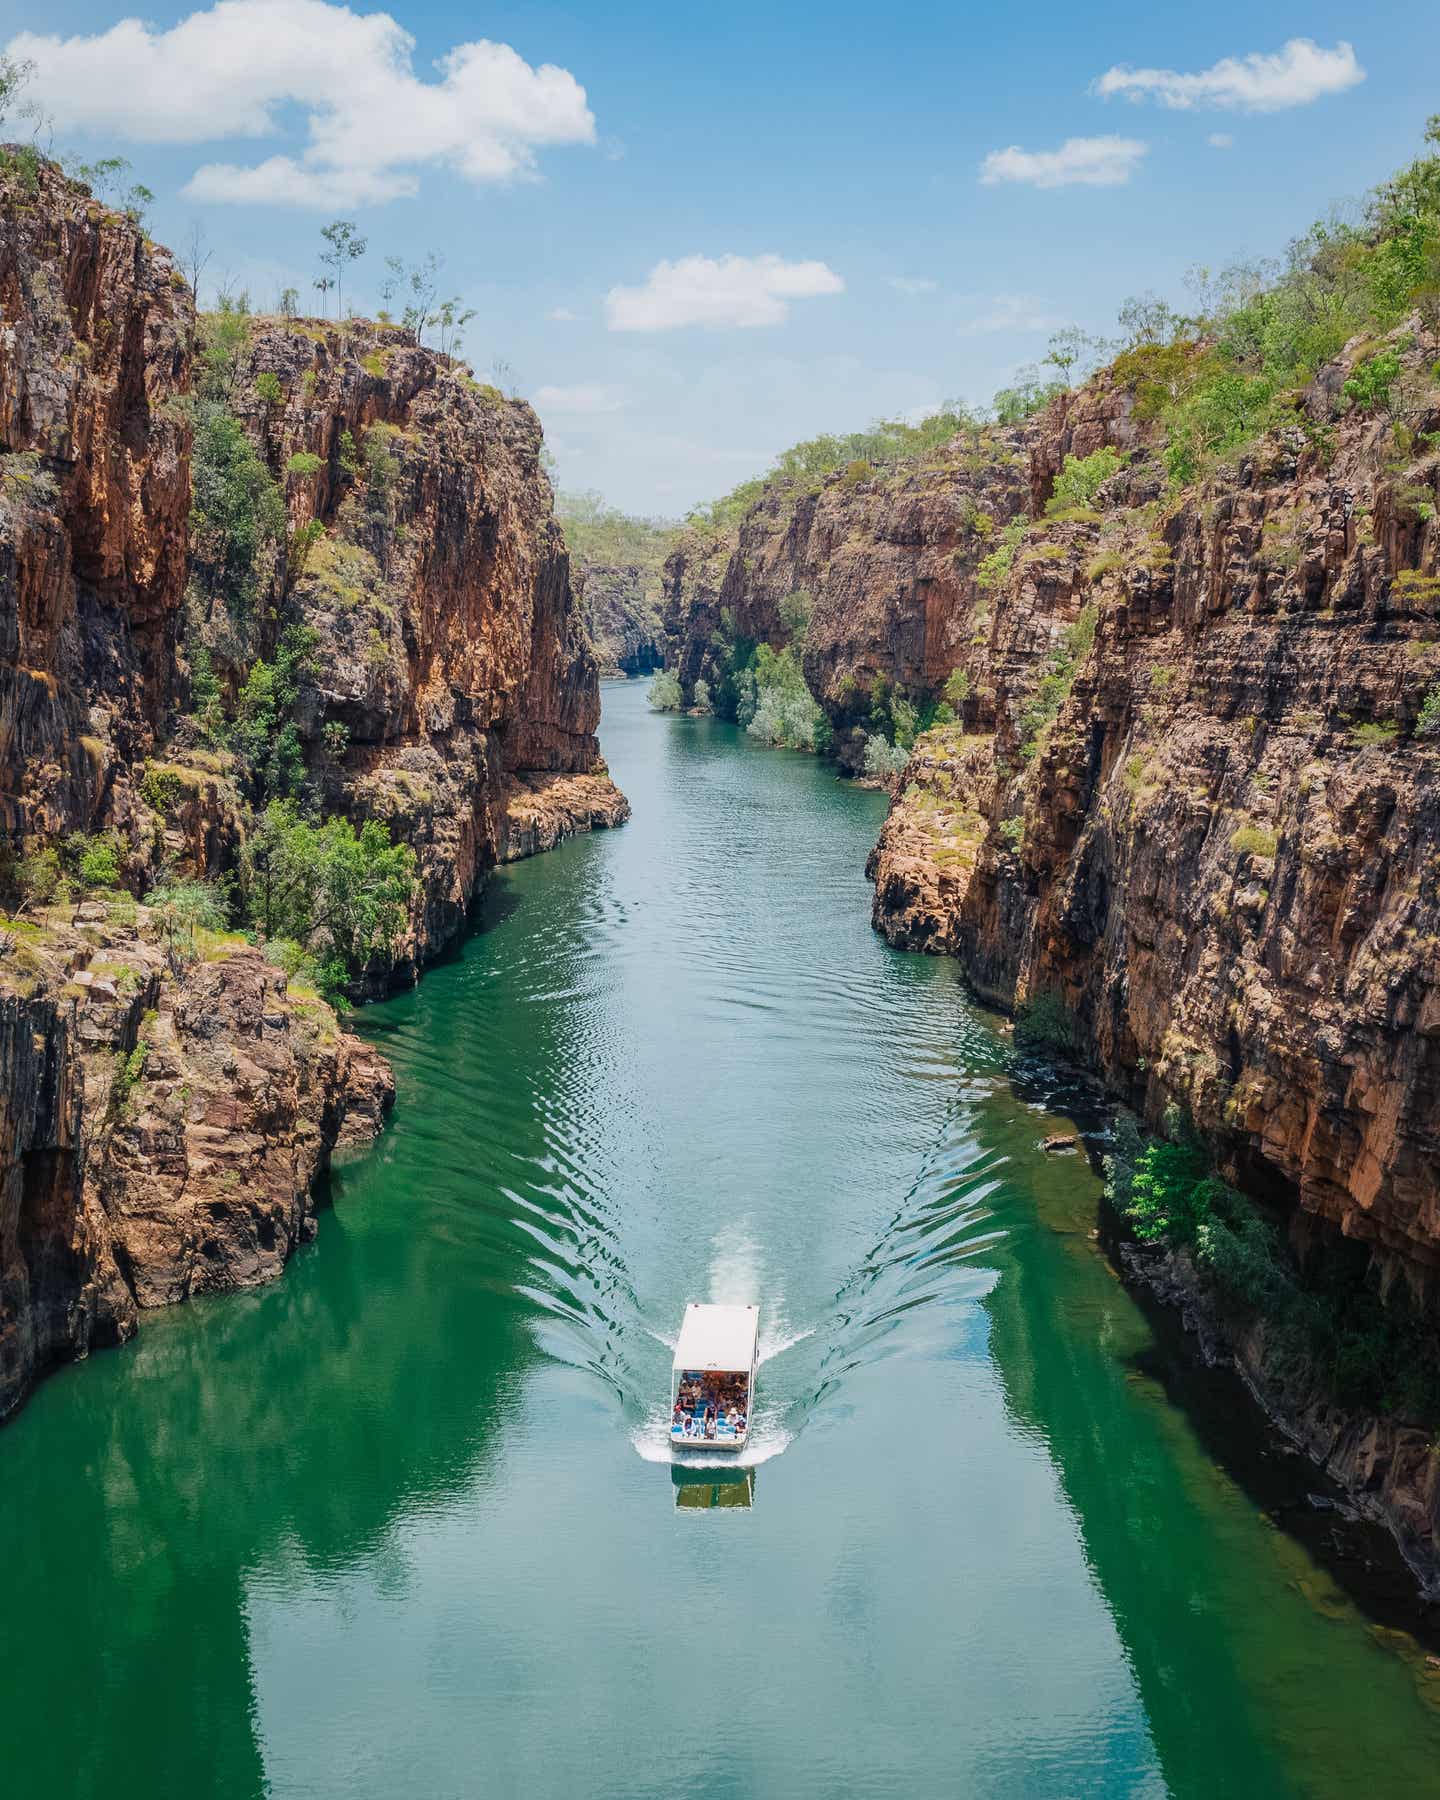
<point>1187,823</point>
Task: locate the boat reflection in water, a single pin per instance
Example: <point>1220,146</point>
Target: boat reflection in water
<point>702,1490</point>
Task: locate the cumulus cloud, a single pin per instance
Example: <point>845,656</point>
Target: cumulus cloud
<point>1079,162</point>
<point>1220,140</point>
<point>1292,76</point>
<point>371,122</point>
<point>913,284</point>
<point>723,291</point>
<point>583,400</point>
<point>1011,312</point>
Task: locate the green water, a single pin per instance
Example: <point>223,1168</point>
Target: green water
<point>406,1523</point>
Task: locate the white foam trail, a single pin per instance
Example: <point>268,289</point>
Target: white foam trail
<point>777,1346</point>
<point>767,1439</point>
<point>734,1267</point>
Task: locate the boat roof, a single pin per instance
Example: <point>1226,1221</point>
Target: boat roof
<point>717,1337</point>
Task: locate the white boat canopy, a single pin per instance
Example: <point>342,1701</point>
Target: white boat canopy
<point>720,1338</point>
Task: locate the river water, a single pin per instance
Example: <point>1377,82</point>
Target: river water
<point>407,1522</point>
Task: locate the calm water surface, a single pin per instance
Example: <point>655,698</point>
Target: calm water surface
<point>407,1523</point>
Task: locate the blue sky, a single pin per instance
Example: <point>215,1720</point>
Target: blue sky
<point>848,140</point>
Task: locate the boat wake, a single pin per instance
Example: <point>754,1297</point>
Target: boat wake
<point>652,1441</point>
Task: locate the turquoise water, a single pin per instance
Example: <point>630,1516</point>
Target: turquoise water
<point>408,1523</point>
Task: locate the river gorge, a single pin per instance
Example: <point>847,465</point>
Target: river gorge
<point>406,1521</point>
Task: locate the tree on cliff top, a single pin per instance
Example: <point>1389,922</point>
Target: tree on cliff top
<point>343,245</point>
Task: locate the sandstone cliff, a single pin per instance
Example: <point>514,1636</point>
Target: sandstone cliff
<point>449,652</point>
<point>94,496</point>
<point>1190,820</point>
<point>1219,853</point>
<point>622,617</point>
<point>164,1126</point>
<point>882,561</point>
<point>170,1099</point>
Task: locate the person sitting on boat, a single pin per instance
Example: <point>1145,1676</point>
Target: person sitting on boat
<point>678,1417</point>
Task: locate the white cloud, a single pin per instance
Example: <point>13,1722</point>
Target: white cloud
<point>1079,162</point>
<point>583,400</point>
<point>372,124</point>
<point>1294,76</point>
<point>913,284</point>
<point>562,315</point>
<point>1219,140</point>
<point>717,291</point>
<point>1011,312</point>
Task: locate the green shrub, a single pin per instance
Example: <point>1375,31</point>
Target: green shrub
<point>236,512</point>
<point>1081,479</point>
<point>700,695</point>
<point>268,388</point>
<point>95,861</point>
<point>382,467</point>
<point>957,688</point>
<point>341,892</point>
<point>129,1072</point>
<point>1044,1023</point>
<point>162,790</point>
<point>1369,386</point>
<point>264,731</point>
<point>1374,733</point>
<point>1254,840</point>
<point>38,878</point>
<point>183,906</point>
<point>304,463</point>
<point>993,569</point>
<point>857,472</point>
<point>1327,1320</point>
<point>1428,723</point>
<point>665,694</point>
<point>905,720</point>
<point>884,759</point>
<point>205,702</point>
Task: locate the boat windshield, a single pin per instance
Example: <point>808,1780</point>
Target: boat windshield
<point>711,1405</point>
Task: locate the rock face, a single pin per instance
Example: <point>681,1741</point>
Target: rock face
<point>622,618</point>
<point>1220,853</point>
<point>885,563</point>
<point>449,648</point>
<point>94,496</point>
<point>1192,815</point>
<point>162,1131</point>
<point>167,1105</point>
<point>544,810</point>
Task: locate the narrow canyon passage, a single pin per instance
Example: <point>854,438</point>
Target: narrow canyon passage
<point>408,1522</point>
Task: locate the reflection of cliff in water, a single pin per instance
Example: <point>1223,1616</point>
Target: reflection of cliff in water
<point>1071,1346</point>
<point>301,1421</point>
<point>705,1490</point>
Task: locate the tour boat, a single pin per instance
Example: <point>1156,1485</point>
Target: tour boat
<point>712,1380</point>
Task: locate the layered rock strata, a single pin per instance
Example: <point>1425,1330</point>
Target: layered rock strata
<point>163,1128</point>
<point>170,1101</point>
